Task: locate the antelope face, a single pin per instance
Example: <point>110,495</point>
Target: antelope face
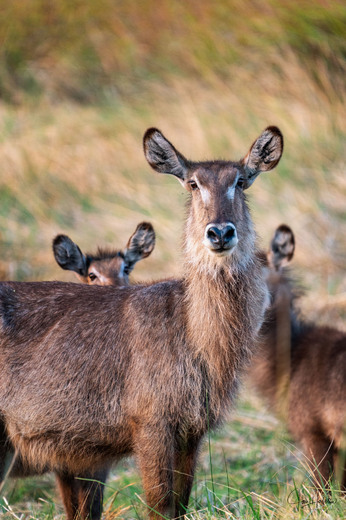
<point>219,218</point>
<point>217,205</point>
<point>282,247</point>
<point>278,281</point>
<point>106,267</point>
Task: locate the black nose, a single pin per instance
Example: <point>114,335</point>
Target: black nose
<point>221,236</point>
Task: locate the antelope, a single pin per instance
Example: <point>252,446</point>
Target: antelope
<point>106,267</point>
<point>92,374</point>
<point>300,369</point>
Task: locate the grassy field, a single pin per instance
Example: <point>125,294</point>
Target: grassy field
<point>248,470</point>
<point>79,87</point>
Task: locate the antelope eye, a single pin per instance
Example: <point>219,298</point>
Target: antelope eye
<point>193,185</point>
<point>92,276</point>
<point>240,183</point>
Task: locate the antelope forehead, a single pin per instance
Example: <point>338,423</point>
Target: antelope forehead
<point>222,181</point>
<point>206,194</point>
<point>107,265</point>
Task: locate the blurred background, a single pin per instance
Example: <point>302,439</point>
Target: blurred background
<point>81,81</point>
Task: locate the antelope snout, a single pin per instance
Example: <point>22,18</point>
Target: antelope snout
<point>221,238</point>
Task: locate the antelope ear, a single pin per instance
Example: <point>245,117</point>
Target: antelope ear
<point>139,246</point>
<point>264,154</point>
<point>68,255</point>
<point>162,156</point>
<point>281,247</point>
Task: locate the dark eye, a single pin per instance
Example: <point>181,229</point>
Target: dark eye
<point>92,276</point>
<point>193,185</point>
<point>240,183</point>
<point>126,270</point>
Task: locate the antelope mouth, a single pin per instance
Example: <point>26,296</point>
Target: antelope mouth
<point>223,251</point>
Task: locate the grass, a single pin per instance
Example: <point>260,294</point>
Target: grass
<point>81,171</point>
<point>87,51</point>
<point>78,88</point>
<point>250,470</point>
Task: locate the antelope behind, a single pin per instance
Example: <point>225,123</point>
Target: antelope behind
<point>91,374</point>
<point>83,498</point>
<point>300,369</point>
<point>106,267</point>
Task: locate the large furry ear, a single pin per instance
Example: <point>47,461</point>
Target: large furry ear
<point>68,255</point>
<point>162,156</point>
<point>139,246</point>
<point>281,247</point>
<point>264,154</point>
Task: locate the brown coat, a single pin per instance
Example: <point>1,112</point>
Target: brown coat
<point>300,369</point>
<point>82,494</point>
<point>90,374</point>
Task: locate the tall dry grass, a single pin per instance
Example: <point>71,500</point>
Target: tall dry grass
<point>80,170</point>
<point>81,48</point>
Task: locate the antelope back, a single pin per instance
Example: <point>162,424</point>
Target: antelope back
<point>302,370</point>
<point>271,363</point>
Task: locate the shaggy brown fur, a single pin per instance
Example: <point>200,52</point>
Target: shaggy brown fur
<point>82,497</point>
<point>301,369</point>
<point>90,374</point>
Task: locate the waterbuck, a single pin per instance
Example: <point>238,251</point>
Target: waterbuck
<point>91,374</point>
<point>300,369</point>
<point>106,267</point>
